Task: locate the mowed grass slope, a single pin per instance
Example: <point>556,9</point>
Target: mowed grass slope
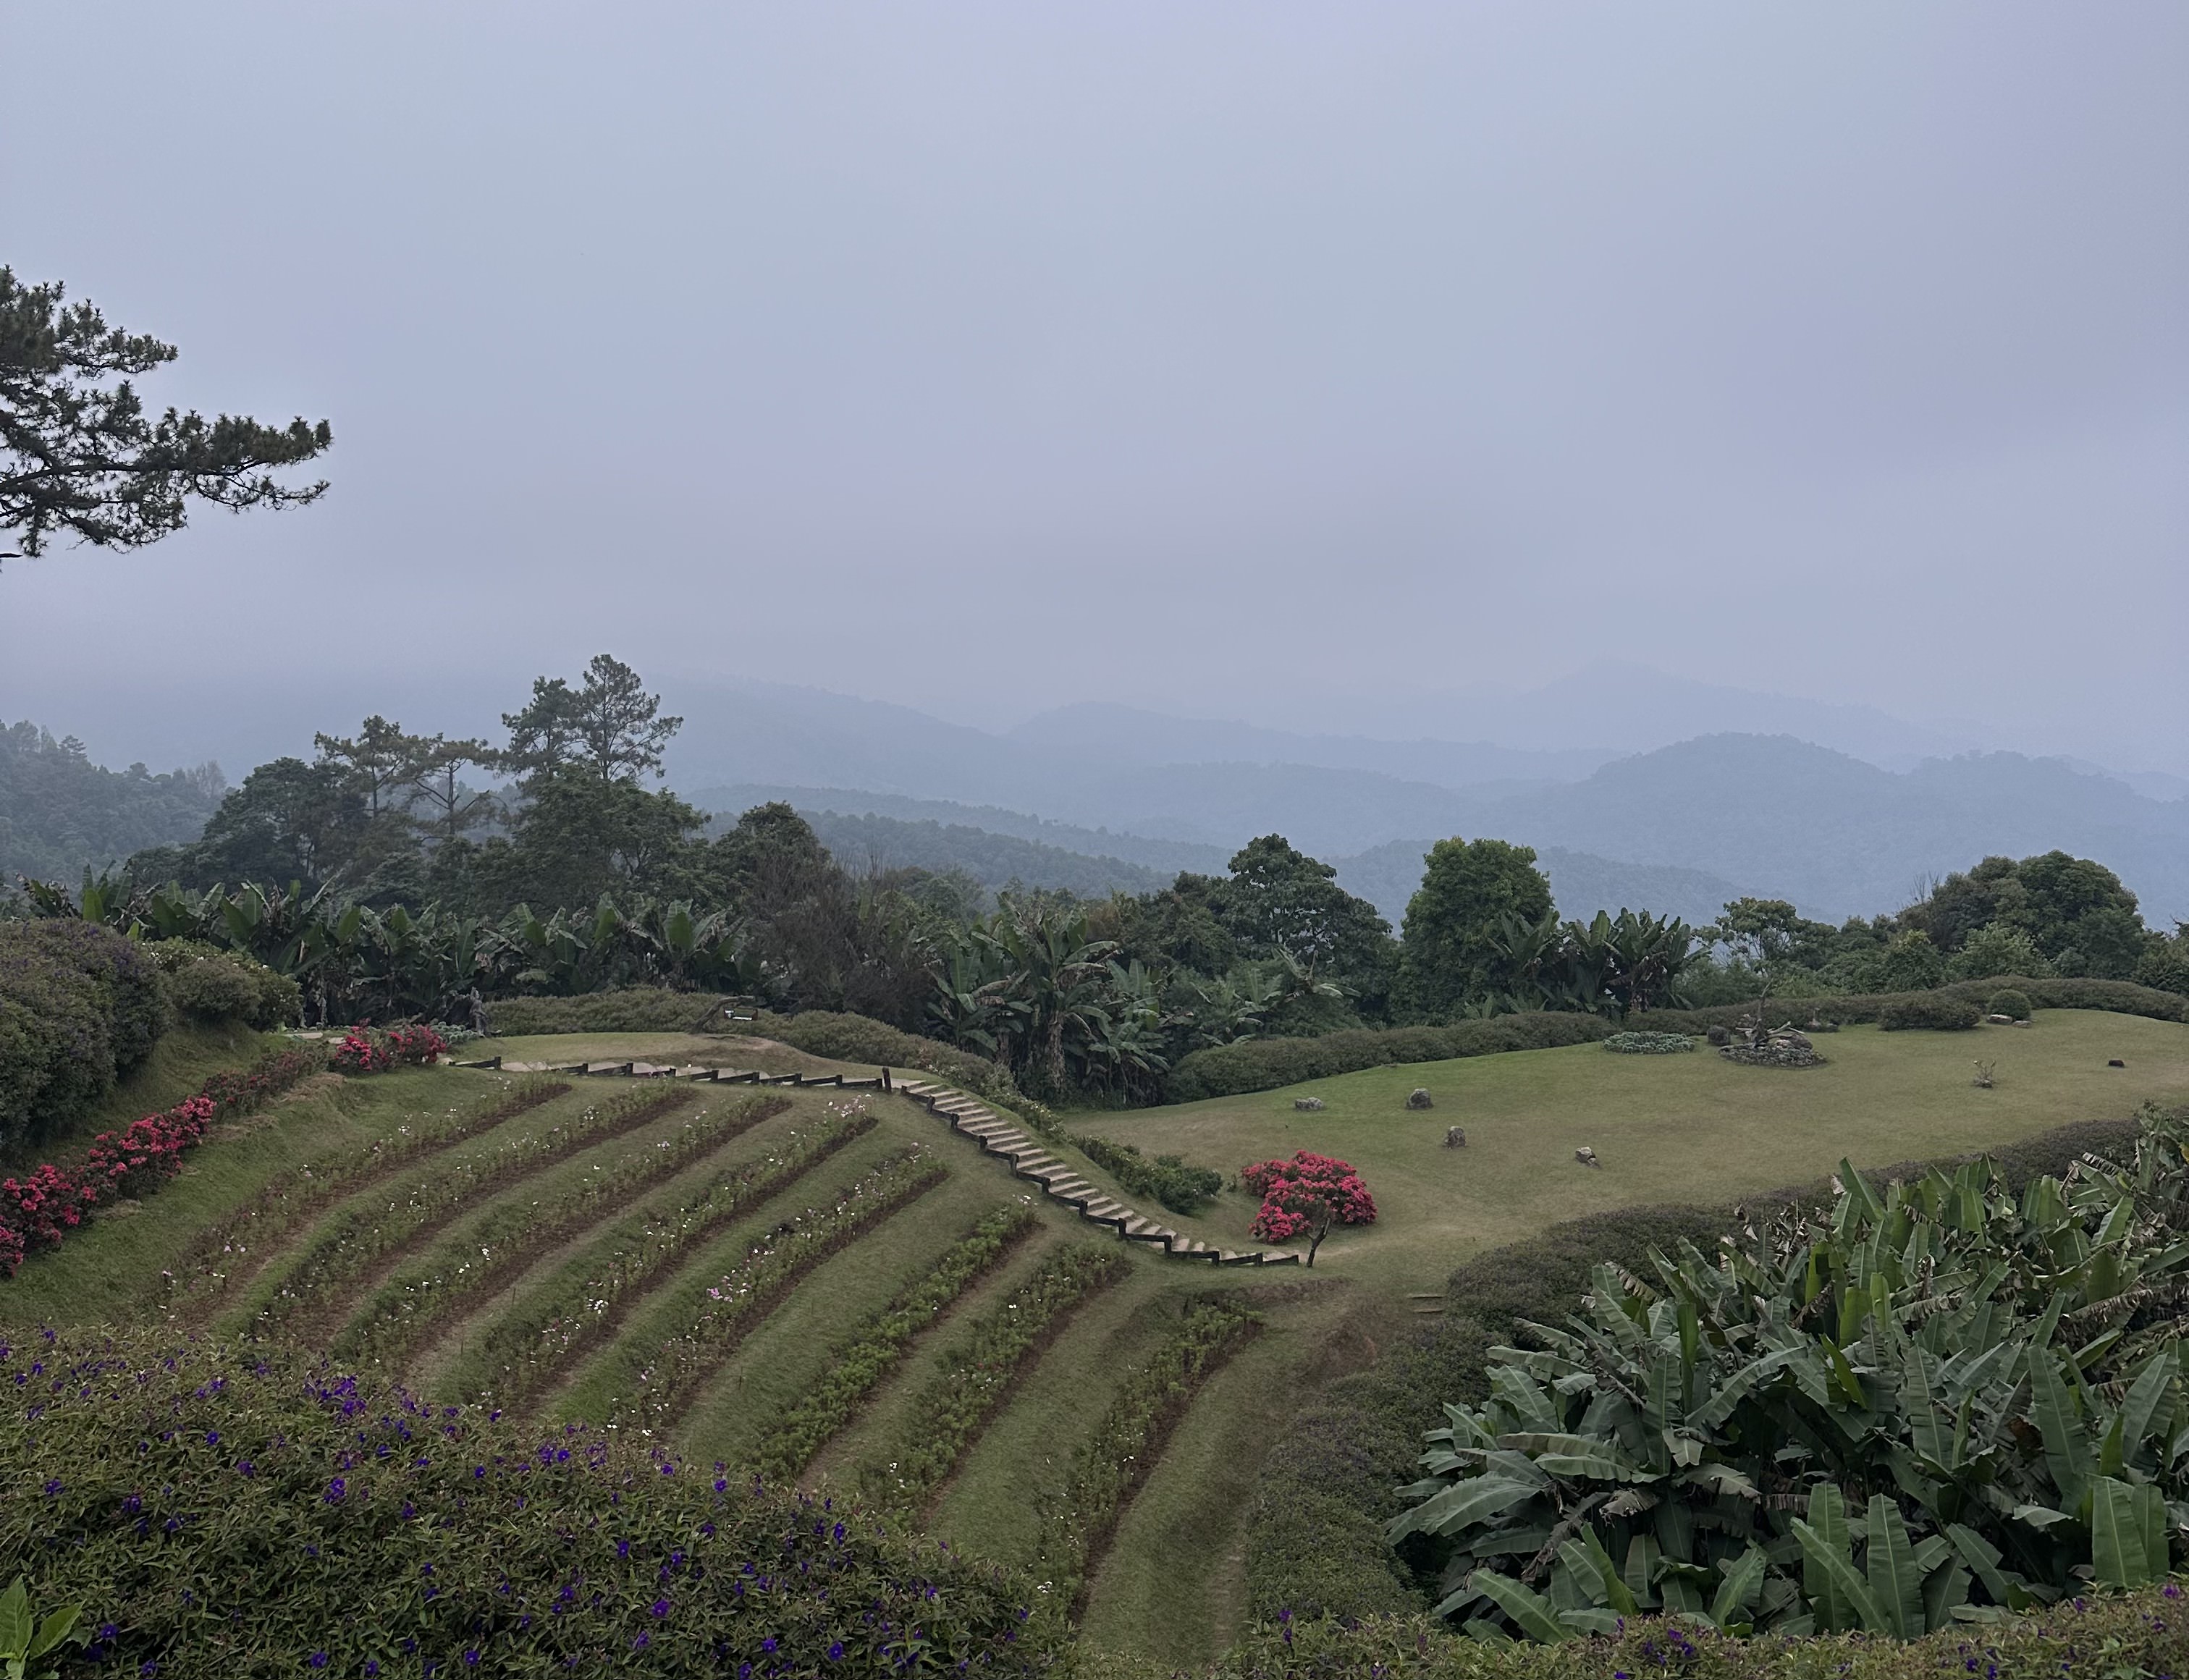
<point>1690,1128</point>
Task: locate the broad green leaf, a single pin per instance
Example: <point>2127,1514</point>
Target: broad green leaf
<point>1982,1556</point>
<point>54,1629</point>
<point>2067,1445</point>
<point>1640,1569</point>
<point>1473,1500</point>
<point>2152,1520</point>
<point>1744,1580</point>
<point>1576,1456</point>
<point>1844,1577</point>
<point>2140,1406</point>
<point>15,1624</point>
<point>1530,1612</point>
<point>1828,1520</point>
<point>1894,1581</point>
<point>2117,1535</point>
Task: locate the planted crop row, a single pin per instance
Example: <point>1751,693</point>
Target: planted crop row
<point>409,1305</point>
<point>1114,1459</point>
<point>736,1306</point>
<point>528,1350</point>
<point>855,1369</point>
<point>975,1381</point>
<point>222,1253</point>
<point>357,1239</point>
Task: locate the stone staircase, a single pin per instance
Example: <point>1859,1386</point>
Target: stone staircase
<point>1058,1181</point>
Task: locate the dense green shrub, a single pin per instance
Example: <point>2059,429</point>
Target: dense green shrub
<point>2009,1002</point>
<point>1267,1063</point>
<point>2117,997</point>
<point>210,985</point>
<point>238,1513</point>
<point>2136,1636</point>
<point>1179,1187</point>
<point>81,1007</point>
<point>1315,1530</point>
<point>630,1009</point>
<point>1931,1011</point>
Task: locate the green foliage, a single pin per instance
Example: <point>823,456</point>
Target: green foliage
<point>874,1044</point>
<point>27,1638</point>
<point>1652,1453</point>
<point>2120,997</point>
<point>209,986</point>
<point>622,1009</point>
<point>974,1380</point>
<point>1115,1456</point>
<point>1997,949</point>
<point>857,1368</point>
<point>1315,1528</point>
<point>772,1268</point>
<point>2009,1002</point>
<point>1649,1043</point>
<point>346,1248</point>
<point>606,729</point>
<point>1179,1187</point>
<point>78,454</point>
<point>2136,1636</point>
<point>424,1292</point>
<point>206,1270</point>
<point>247,1513</point>
<point>527,1350</point>
<point>1931,1011</point>
<point>79,1007</point>
<point>1267,1063</point>
<point>1277,901</point>
<point>1450,953</point>
<point>2080,918</point>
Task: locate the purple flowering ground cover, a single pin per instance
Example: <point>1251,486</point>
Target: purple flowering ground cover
<point>220,1509</point>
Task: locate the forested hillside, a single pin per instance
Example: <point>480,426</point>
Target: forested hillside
<point>876,844</point>
<point>59,812</point>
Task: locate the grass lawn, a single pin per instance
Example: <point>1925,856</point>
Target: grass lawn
<point>681,1048</point>
<point>1667,1128</point>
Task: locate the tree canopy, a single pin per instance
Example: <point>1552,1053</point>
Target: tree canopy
<point>1454,953</point>
<point>80,455</point>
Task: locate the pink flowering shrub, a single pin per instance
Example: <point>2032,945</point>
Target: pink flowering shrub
<point>1305,1196</point>
<point>42,1206</point>
<point>372,1049</point>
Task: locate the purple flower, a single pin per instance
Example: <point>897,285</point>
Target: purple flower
<point>336,1489</point>
<point>317,1659</point>
<point>660,1607</point>
<point>53,1486</point>
<point>836,1651</point>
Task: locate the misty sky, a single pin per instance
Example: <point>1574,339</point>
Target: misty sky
<point>1307,364</point>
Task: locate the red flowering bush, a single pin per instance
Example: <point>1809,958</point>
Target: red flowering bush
<point>44,1205</point>
<point>1305,1196</point>
<point>370,1049</point>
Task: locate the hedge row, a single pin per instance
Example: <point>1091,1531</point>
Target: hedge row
<point>2143,1636</point>
<point>2116,997</point>
<point>1314,1532</point>
<point>857,1368</point>
<point>875,1044</point>
<point>354,1243</point>
<point>1266,1064</point>
<point>740,1302</point>
<point>240,1512</point>
<point>975,1381</point>
<point>407,1306</point>
<point>527,1351</point>
<point>631,1009</point>
<point>221,1254</point>
<point>81,1007</point>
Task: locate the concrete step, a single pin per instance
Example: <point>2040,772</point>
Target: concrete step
<point>1225,1257</point>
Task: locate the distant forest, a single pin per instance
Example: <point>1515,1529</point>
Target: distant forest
<point>60,813</point>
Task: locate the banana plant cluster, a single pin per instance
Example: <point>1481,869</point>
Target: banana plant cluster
<point>360,963</point>
<point>1613,966</point>
<point>1944,1402</point>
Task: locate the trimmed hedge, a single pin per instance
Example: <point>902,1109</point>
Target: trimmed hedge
<point>81,1008</point>
<point>1932,1014</point>
<point>1315,1528</point>
<point>1267,1063</point>
<point>2117,997</point>
<point>210,985</point>
<point>630,1009</point>
<point>2015,1005</point>
<point>2141,1636</point>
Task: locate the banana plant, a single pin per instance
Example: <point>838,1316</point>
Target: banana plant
<point>1914,1352</point>
<point>28,1640</point>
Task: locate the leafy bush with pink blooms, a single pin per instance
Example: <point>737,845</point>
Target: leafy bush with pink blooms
<point>373,1050</point>
<point>1306,1197</point>
<point>41,1206</point>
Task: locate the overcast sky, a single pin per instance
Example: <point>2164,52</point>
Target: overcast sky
<point>1281,362</point>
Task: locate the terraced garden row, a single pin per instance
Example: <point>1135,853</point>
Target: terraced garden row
<point>812,1284</point>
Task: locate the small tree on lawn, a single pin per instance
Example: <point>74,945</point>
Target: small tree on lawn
<point>1306,1197</point>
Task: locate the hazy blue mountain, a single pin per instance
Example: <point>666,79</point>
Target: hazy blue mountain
<point>1165,857</point>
